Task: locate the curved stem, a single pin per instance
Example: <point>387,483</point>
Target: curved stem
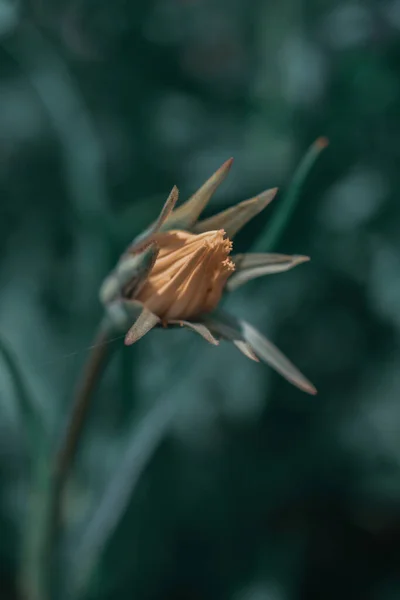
<point>66,454</point>
<point>80,407</point>
<point>144,440</point>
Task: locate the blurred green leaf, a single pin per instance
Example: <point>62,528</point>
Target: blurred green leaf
<point>49,76</point>
<point>32,419</point>
<point>34,572</point>
<point>145,439</point>
<point>37,430</point>
<point>268,239</point>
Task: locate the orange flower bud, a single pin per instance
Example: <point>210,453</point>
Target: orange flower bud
<point>189,274</point>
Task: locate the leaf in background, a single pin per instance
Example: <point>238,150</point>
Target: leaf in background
<point>51,78</point>
<point>267,240</point>
<point>37,430</point>
<point>34,573</point>
<point>32,419</point>
<point>144,440</point>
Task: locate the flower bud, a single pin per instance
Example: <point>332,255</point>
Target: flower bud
<point>189,274</point>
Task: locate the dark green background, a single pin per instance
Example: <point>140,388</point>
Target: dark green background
<point>257,492</point>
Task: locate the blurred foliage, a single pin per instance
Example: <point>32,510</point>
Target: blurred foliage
<point>255,491</point>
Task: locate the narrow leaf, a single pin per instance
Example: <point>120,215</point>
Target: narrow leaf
<point>234,218</point>
<point>186,215</point>
<point>143,443</point>
<point>251,266</point>
<point>274,357</point>
<point>51,77</point>
<point>31,417</point>
<point>144,323</point>
<point>35,426</point>
<point>34,572</point>
<point>273,230</point>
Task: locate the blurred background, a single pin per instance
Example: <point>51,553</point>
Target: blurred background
<point>247,489</point>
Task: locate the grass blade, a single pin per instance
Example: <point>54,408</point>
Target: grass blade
<point>31,582</point>
<point>268,239</point>
<point>33,421</point>
<point>144,442</point>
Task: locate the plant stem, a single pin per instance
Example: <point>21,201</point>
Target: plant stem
<point>80,407</point>
<point>147,434</point>
<point>66,454</point>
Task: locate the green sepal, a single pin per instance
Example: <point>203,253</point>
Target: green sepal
<point>186,215</point>
<point>143,324</point>
<point>198,328</point>
<point>235,330</point>
<point>234,218</point>
<point>251,266</point>
<point>130,273</point>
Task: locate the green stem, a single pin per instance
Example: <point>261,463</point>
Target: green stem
<point>143,442</point>
<point>65,456</point>
<point>80,407</point>
<point>267,242</point>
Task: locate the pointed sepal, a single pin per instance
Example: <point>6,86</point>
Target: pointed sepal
<point>186,215</point>
<point>143,324</point>
<point>198,328</point>
<point>270,354</point>
<point>166,210</point>
<point>228,328</point>
<point>251,266</point>
<point>133,269</point>
<point>223,325</point>
<point>254,345</point>
<point>123,313</point>
<point>162,217</point>
<point>109,289</point>
<point>234,218</point>
<point>245,349</point>
<point>130,274</point>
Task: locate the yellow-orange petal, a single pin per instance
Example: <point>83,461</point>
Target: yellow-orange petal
<point>189,274</point>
